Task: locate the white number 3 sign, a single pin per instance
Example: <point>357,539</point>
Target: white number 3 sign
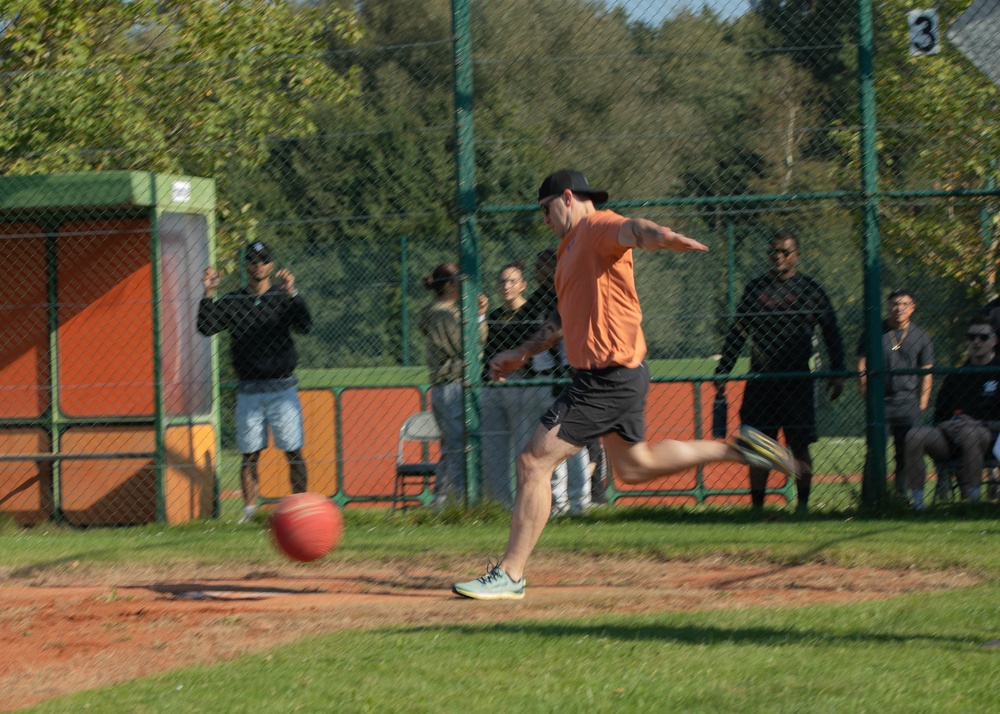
<point>924,37</point>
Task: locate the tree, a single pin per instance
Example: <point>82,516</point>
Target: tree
<point>198,87</point>
<point>936,130</point>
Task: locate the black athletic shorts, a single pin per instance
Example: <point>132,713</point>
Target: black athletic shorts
<point>601,401</point>
<point>788,404</point>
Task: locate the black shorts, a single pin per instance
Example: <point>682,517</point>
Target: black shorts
<point>601,401</point>
<point>787,404</point>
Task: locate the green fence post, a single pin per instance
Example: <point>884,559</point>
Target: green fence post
<point>873,486</point>
<point>468,236</point>
<point>404,300</point>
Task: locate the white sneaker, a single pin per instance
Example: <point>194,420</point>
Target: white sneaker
<point>248,512</point>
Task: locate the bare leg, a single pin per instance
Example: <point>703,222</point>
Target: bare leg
<point>638,463</point>
<point>248,478</point>
<point>633,463</point>
<point>297,470</point>
<point>534,496</point>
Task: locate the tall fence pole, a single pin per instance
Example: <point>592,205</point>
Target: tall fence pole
<point>873,487</point>
<point>468,235</point>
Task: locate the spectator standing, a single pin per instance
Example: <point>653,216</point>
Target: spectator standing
<point>778,315</point>
<point>905,345</point>
<point>260,319</point>
<point>441,324</point>
<point>507,412</point>
<point>966,413</point>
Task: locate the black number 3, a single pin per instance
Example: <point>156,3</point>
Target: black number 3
<point>925,39</point>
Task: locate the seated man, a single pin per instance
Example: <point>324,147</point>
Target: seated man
<point>966,410</point>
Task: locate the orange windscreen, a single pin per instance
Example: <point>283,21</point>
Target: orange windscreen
<point>24,333</point>
<point>110,491</point>
<point>369,423</point>
<point>319,418</point>
<point>25,486</point>
<point>189,480</point>
<point>105,296</point>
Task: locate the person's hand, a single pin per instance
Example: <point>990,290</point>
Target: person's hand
<point>503,363</point>
<point>682,244</point>
<point>210,279</point>
<point>285,280</point>
<point>835,387</point>
<point>484,302</point>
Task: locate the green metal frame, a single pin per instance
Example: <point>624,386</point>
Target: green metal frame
<point>50,200</point>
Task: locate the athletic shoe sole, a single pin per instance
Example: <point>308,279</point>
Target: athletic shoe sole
<point>763,451</point>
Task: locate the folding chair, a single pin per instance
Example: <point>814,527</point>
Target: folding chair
<point>422,428</point>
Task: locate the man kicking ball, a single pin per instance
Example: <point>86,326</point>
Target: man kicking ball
<point>599,318</point>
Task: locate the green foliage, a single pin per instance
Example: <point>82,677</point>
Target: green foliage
<point>937,131</point>
<point>197,87</point>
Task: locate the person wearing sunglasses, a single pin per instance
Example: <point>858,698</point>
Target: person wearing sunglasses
<point>966,415</point>
<point>778,316</point>
<point>599,318</point>
<point>905,345</point>
<point>260,319</point>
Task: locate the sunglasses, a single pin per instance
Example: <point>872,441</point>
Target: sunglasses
<point>545,206</point>
<point>782,251</point>
<point>978,336</point>
<point>258,259</point>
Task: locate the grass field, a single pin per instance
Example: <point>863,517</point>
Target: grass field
<point>915,652</point>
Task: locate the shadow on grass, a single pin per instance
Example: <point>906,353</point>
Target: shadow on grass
<point>708,635</point>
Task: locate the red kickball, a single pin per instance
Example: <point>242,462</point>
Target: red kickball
<point>306,526</point>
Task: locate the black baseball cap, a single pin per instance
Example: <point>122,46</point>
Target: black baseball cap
<point>554,184</point>
<point>257,251</point>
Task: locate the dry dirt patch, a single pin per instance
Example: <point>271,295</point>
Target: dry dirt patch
<point>64,633</point>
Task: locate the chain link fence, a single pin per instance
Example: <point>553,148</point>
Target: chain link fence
<point>366,145</point>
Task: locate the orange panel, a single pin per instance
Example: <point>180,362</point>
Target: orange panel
<point>111,491</point>
<point>24,320</point>
<point>319,416</point>
<point>370,422</point>
<point>105,312</point>
<point>25,486</point>
<point>189,480</point>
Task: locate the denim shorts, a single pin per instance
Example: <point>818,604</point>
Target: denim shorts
<point>281,411</point>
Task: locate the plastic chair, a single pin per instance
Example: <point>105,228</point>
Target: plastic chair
<point>423,428</point>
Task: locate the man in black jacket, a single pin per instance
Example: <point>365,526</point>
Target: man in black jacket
<point>966,412</point>
<point>778,315</point>
<point>260,319</point>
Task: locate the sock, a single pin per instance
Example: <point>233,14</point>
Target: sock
<point>249,510</point>
<point>918,499</point>
<point>803,492</point>
<point>974,494</point>
<point>757,497</point>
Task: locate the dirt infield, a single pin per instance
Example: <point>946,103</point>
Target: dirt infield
<point>79,630</point>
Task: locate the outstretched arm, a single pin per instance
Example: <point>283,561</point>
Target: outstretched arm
<point>548,335</point>
<point>644,233</point>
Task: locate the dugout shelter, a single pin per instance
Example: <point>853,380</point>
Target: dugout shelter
<point>108,399</point>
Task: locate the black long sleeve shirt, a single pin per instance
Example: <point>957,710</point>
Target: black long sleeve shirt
<point>260,327</point>
<point>975,394</point>
<point>779,317</point>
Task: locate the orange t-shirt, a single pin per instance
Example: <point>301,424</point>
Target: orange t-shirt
<point>598,304</point>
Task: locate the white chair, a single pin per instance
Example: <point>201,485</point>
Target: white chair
<point>422,428</point>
